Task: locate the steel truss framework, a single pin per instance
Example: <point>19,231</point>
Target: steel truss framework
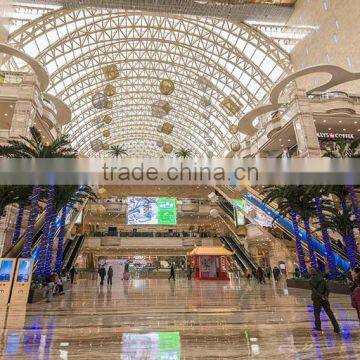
<point>74,45</point>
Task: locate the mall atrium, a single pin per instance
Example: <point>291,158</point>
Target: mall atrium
<point>107,265</point>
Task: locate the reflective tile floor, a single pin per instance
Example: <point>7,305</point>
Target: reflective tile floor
<point>158,319</point>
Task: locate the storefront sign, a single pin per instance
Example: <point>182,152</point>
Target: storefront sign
<point>334,136</point>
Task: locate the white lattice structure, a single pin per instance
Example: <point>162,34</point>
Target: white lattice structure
<point>74,45</point>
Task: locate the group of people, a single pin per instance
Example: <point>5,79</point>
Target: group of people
<point>110,273</point>
<point>260,274</point>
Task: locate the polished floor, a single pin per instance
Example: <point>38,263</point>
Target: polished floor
<point>158,319</point>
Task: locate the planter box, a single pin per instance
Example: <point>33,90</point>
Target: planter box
<point>335,287</point>
<point>35,295</point>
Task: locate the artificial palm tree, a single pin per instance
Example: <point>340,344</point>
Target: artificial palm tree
<point>183,153</point>
<point>117,151</point>
<point>34,147</point>
<point>284,196</point>
<point>23,200</point>
<point>344,149</point>
<point>342,223</point>
<point>317,192</point>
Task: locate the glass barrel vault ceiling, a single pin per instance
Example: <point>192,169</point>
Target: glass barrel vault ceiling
<point>74,44</point>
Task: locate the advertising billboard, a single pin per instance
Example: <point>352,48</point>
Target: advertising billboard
<point>151,211</point>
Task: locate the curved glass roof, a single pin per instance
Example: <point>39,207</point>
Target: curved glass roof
<point>207,59</point>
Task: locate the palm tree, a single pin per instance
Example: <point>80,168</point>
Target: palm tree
<point>285,196</point>
<point>343,150</point>
<point>183,153</point>
<point>65,200</point>
<point>317,192</point>
<point>117,151</point>
<point>34,147</point>
<point>23,200</point>
<point>342,223</point>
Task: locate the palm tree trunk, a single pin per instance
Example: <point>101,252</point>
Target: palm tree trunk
<point>40,269</point>
<point>350,251</point>
<point>34,212</point>
<point>355,204</point>
<point>50,245</point>
<point>310,244</point>
<point>325,235</point>
<point>351,243</point>
<point>299,248</point>
<point>19,219</point>
<point>60,249</point>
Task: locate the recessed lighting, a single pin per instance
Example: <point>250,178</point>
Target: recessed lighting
<point>11,106</point>
<point>6,114</point>
<point>324,121</point>
<point>289,140</point>
<point>329,128</point>
<point>355,122</point>
<point>344,129</point>
<point>280,140</point>
<point>340,121</point>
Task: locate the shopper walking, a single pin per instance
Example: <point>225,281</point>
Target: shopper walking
<point>320,297</point>
<point>260,275</point>
<point>73,272</point>
<point>110,274</point>
<point>172,272</point>
<point>102,274</point>
<point>276,273</point>
<point>189,272</point>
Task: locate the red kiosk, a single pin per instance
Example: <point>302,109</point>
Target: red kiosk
<point>210,262</point>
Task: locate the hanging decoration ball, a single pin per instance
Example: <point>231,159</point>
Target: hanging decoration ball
<point>214,213</point>
<point>209,154</point>
<point>99,100</point>
<point>106,133</point>
<point>160,108</point>
<point>96,145</point>
<point>107,119</point>
<point>168,148</point>
<point>159,128</point>
<point>110,72</point>
<point>160,143</point>
<point>233,129</point>
<point>109,104</point>
<point>105,146</point>
<point>203,83</point>
<point>110,90</point>
<point>205,101</point>
<point>167,86</point>
<point>167,128</point>
<point>209,141</point>
<point>235,146</point>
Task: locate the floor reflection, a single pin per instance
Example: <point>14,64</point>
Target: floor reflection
<point>158,319</point>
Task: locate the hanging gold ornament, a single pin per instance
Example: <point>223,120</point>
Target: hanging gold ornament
<point>96,145</point>
<point>105,146</point>
<point>168,148</point>
<point>233,129</point>
<point>167,128</point>
<point>110,72</point>
<point>235,146</point>
<point>230,105</point>
<point>109,104</point>
<point>107,119</point>
<point>106,133</point>
<point>110,90</point>
<point>167,86</point>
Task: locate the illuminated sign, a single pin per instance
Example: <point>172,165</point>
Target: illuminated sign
<point>335,136</point>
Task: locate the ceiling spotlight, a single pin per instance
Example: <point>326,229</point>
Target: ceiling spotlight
<point>329,128</point>
<point>6,114</point>
<point>324,121</point>
<point>340,121</point>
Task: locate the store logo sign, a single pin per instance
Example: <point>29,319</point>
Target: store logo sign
<point>334,136</point>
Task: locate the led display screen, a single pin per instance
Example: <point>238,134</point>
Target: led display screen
<point>151,211</point>
<point>6,268</point>
<point>152,346</point>
<point>23,274</point>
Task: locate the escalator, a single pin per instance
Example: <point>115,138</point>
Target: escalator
<point>240,254</point>
<point>286,226</point>
<point>73,252</point>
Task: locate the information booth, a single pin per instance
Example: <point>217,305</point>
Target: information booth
<point>210,262</point>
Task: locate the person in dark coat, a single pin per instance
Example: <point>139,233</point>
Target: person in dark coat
<point>297,273</point>
<point>260,275</point>
<point>73,272</point>
<point>102,274</point>
<point>172,272</point>
<point>110,274</point>
<point>320,297</point>
<point>276,273</point>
